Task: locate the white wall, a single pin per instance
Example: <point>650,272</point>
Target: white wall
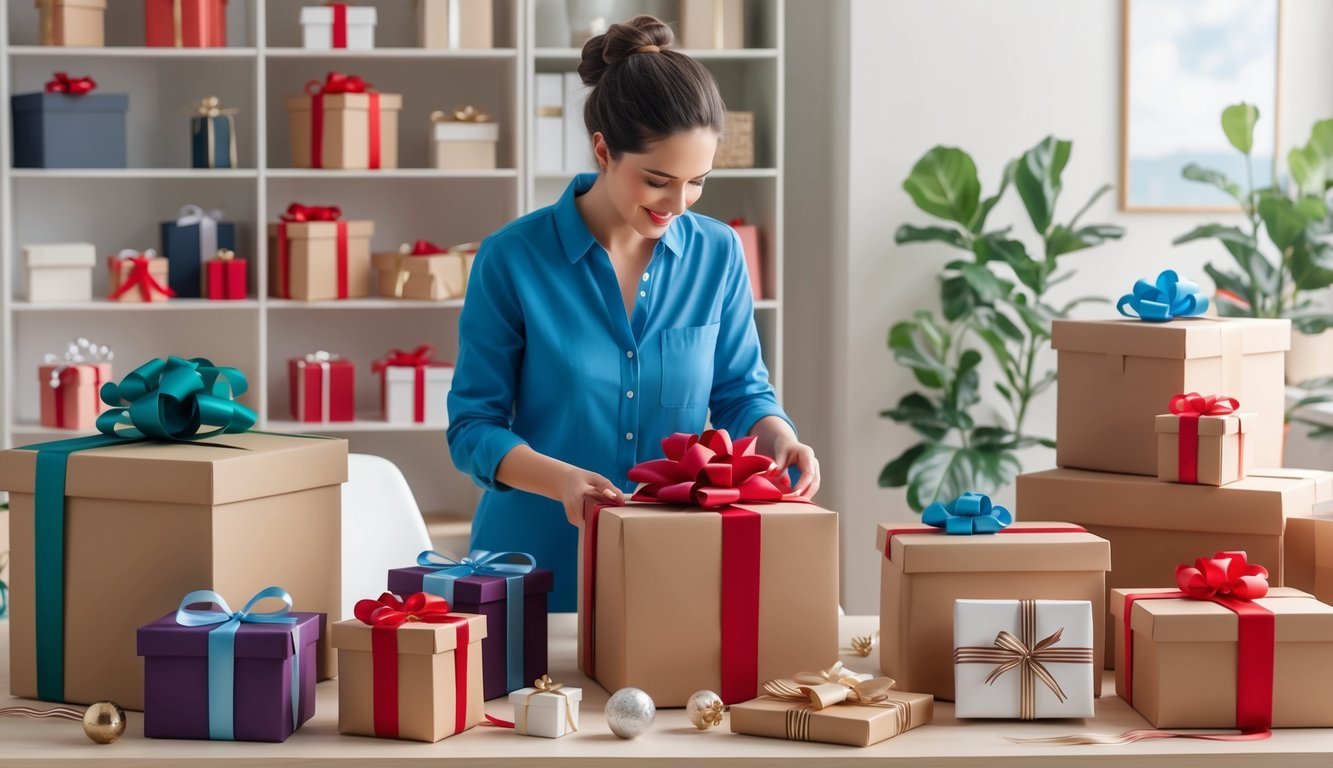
<point>993,78</point>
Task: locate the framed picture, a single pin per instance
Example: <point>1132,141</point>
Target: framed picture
<point>1184,62</point>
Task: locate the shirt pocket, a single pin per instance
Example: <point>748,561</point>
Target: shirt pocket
<point>687,365</point>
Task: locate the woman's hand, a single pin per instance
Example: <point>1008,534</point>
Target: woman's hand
<point>787,452</point>
<point>578,486</point>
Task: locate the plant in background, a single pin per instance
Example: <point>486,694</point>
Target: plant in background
<point>992,304</point>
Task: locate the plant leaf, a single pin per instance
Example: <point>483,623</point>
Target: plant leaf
<point>983,212</point>
<point>997,247</point>
<point>911,349</point>
<point>1284,222</point>
<point>1196,172</point>
<point>1102,190</point>
<point>1238,122</point>
<point>921,414</point>
<point>957,298</point>
<point>894,474</point>
<point>988,287</point>
<point>944,183</point>
<point>1312,265</point>
<point>944,472</point>
<point>1063,240</point>
<point>948,235</point>
<point>1038,180</point>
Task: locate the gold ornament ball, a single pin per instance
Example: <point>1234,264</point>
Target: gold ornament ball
<point>104,722</point>
<point>704,709</point>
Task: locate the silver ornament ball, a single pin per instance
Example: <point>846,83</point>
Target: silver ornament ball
<point>704,708</point>
<point>630,712</point>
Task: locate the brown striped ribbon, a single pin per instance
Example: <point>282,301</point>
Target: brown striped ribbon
<point>832,687</point>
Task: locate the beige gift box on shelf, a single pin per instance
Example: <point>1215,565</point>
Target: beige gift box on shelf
<point>712,24</point>
<point>78,23</point>
<point>60,272</point>
<point>736,147</point>
<point>145,274</point>
<point>346,139</point>
<point>455,24</point>
<point>429,277</point>
<point>464,140</point>
<point>1221,446</point>
<point>308,270</point>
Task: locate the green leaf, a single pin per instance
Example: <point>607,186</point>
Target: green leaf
<point>1038,180</point>
<point>1063,240</point>
<point>948,235</point>
<point>983,212</point>
<point>997,247</point>
<point>1312,323</point>
<point>1196,172</point>
<point>957,298</point>
<point>1307,169</point>
<point>1312,265</point>
<point>944,183</point>
<point>1007,327</point>
<point>918,412</point>
<point>894,474</point>
<point>988,287</point>
<point>1229,281</point>
<point>997,347</point>
<point>1036,323</point>
<point>1238,122</point>
<point>944,472</point>
<point>912,350</point>
<point>967,381</point>
<point>1284,222</point>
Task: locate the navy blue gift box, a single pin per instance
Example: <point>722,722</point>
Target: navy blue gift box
<point>61,130</point>
<point>183,247</point>
<point>217,133</point>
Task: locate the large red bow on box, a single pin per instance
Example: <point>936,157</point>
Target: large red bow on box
<point>710,471</point>
<point>390,611</point>
<point>305,213</point>
<point>1195,404</point>
<point>337,82</point>
<point>1225,574</point>
<point>76,86</point>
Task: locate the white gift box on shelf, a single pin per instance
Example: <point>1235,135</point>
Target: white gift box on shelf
<point>549,713</point>
<point>318,22</point>
<point>464,145</point>
<point>1023,659</point>
<point>60,271</point>
<point>400,394</point>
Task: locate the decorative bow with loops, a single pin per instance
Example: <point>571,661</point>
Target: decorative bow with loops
<point>1165,299</point>
<point>74,86</point>
<point>968,514</point>
<point>710,471</point>
<point>173,399</point>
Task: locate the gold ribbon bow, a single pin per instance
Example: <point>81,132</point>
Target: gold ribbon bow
<point>1028,656</point>
<point>467,114</point>
<point>208,108</point>
<point>225,254</point>
<point>830,687</point>
<point>545,684</point>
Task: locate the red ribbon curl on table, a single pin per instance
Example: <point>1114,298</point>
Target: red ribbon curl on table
<point>1190,407</point>
<point>140,276</point>
<point>338,83</point>
<point>303,214</point>
<point>75,86</point>
<point>421,358</point>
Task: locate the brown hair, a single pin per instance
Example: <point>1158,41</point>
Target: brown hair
<point>642,90</point>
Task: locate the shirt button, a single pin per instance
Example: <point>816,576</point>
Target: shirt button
<point>629,353</point>
<point>629,435</point>
<point>643,293</point>
<point>630,394</point>
<point>645,277</point>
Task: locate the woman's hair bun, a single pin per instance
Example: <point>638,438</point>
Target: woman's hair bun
<point>619,42</point>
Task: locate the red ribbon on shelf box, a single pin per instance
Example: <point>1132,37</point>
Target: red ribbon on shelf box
<point>425,248</point>
<point>304,214</point>
<point>420,359</point>
<point>337,83</point>
<point>79,354</point>
<point>1190,407</point>
<point>140,275</point>
<point>74,86</point>
<point>339,24</point>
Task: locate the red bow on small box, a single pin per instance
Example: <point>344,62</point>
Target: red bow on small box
<point>1225,574</point>
<point>305,213</point>
<point>710,471</point>
<point>426,248</point>
<point>337,82</point>
<point>422,355</point>
<point>75,86</point>
<point>390,611</point>
<point>1195,404</point>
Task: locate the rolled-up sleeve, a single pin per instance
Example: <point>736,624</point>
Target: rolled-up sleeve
<point>742,394</point>
<point>490,353</point>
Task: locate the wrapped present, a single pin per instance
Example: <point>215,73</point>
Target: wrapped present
<point>414,386</point>
<point>247,675</point>
<point>712,24</point>
<point>1224,650</point>
<point>188,242</point>
<point>736,147</point>
<point>548,709</point>
<point>925,570</point>
<point>185,23</point>
<point>323,388</point>
<point>410,669</point>
<point>71,385</point>
<point>455,24</point>
<point>749,235</point>
<point>1153,526</point>
<point>835,706</point>
<point>163,502</point>
<point>424,271</point>
<point>212,134</point>
<point>72,22</point>
<point>338,25</point>
<point>319,255</point>
<point>1115,375</point>
<point>344,123</point>
<point>724,622</point>
<point>1202,440</point>
<point>505,587</point>
<point>226,277</point>
<point>69,126</point>
<point>1025,659</point>
<point>464,140</point>
<point>138,277</point>
<point>59,271</point>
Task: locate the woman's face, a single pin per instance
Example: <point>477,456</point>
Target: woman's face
<point>651,189</point>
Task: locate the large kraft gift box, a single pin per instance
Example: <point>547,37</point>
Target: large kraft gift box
<point>1116,376</point>
<point>315,255</point>
<point>1154,526</point>
<point>144,523</point>
<point>344,124</point>
<point>924,571</point>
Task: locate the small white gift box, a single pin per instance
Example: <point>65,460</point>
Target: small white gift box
<point>464,145</point>
<point>549,711</point>
<point>319,28</point>
<point>407,401</point>
<point>1023,659</point>
<point>60,271</point>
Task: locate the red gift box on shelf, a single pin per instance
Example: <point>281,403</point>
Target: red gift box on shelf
<point>70,385</point>
<point>225,277</point>
<point>185,23</point>
<point>138,277</point>
<point>322,387</point>
<point>749,235</point>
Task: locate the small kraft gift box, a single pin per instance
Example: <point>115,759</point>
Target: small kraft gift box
<point>226,277</point>
<point>464,140</point>
<point>338,25</point>
<point>212,134</point>
<point>1202,440</point>
<point>318,255</point>
<point>971,549</point>
<point>71,385</point>
<point>77,23</point>
<point>323,388</point>
<point>712,24</point>
<point>185,23</point>
<point>505,587</point>
<point>69,126</point>
<point>409,669</point>
<point>344,123</point>
<point>1224,650</point>
<point>424,271</point>
<point>835,706</point>
<point>59,271</point>
<point>455,24</point>
<point>548,709</point>
<point>414,386</point>
<point>247,675</point>
<point>138,277</point>
<point>188,242</point>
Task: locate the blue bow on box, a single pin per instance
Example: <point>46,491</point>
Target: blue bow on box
<point>968,514</point>
<point>1166,299</point>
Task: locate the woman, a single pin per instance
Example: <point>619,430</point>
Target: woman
<point>597,326</point>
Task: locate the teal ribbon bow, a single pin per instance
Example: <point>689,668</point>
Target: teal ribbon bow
<point>222,651</point>
<point>968,514</point>
<point>512,567</point>
<point>1166,299</point>
<point>170,400</point>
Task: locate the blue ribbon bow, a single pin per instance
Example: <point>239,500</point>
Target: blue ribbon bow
<point>1168,298</point>
<point>968,514</point>
<point>512,567</point>
<point>222,650</point>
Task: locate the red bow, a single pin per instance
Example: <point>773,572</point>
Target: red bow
<point>1195,404</point>
<point>389,611</point>
<point>1225,574</point>
<point>337,82</point>
<point>710,471</point>
<point>736,222</point>
<point>63,83</point>
<point>426,248</point>
<point>422,355</point>
<point>303,213</point>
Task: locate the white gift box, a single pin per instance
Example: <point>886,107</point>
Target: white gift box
<point>317,27</point>
<point>60,271</point>
<point>1023,659</point>
<point>544,713</point>
<point>465,146</point>
<point>400,383</point>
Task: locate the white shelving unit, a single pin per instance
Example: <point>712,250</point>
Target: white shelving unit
<point>123,208</point>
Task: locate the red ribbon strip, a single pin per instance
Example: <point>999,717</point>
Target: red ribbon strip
<point>75,86</point>
<point>337,82</point>
<point>421,358</point>
<point>1189,407</point>
<point>426,248</point>
<point>298,213</point>
<point>142,277</point>
<point>888,536</point>
<point>339,24</point>
<point>70,377</point>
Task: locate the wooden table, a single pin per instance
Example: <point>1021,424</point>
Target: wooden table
<point>945,742</point>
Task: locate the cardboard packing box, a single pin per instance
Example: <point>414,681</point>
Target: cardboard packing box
<point>1222,447</point>
<point>346,125</point>
<point>924,571</point>
<point>306,268</point>
<point>1116,376</point>
<point>854,725</point>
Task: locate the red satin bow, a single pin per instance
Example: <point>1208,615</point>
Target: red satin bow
<point>302,213</point>
<point>1225,574</point>
<point>1195,404</point>
<point>389,611</point>
<point>63,83</point>
<point>736,222</point>
<point>337,82</point>
<point>710,471</point>
<point>422,355</point>
<point>426,248</point>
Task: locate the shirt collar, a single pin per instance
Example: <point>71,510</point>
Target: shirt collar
<point>574,233</point>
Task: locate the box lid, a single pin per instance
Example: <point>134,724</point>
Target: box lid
<point>324,230</point>
<point>1322,480</point>
<point>1298,617</point>
<point>1209,426</point>
<point>929,550</point>
<point>478,590</point>
<point>64,102</point>
<point>1191,338</point>
<point>352,101</point>
<point>165,637</point>
<point>323,14</point>
<point>413,637</point>
<point>219,470</point>
<point>457,130</point>
<point>436,371</point>
<point>545,699</point>
<point>60,255</point>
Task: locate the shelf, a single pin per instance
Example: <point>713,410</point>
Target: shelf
<point>192,174</point>
<point>355,304</point>
<point>716,173</point>
<point>495,54</point>
<point>573,55</point>
<point>171,305</point>
<point>364,424</point>
<point>131,52</point>
<point>388,173</point>
<point>766,304</point>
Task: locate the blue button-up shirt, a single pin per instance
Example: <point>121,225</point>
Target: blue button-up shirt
<point>548,357</point>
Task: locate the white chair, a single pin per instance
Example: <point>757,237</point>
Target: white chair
<point>382,527</point>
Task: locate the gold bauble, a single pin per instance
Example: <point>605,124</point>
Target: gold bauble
<point>104,722</point>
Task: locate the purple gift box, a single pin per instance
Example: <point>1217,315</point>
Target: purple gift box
<point>176,678</point>
<point>486,595</point>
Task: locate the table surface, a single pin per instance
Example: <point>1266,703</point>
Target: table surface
<point>945,742</point>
